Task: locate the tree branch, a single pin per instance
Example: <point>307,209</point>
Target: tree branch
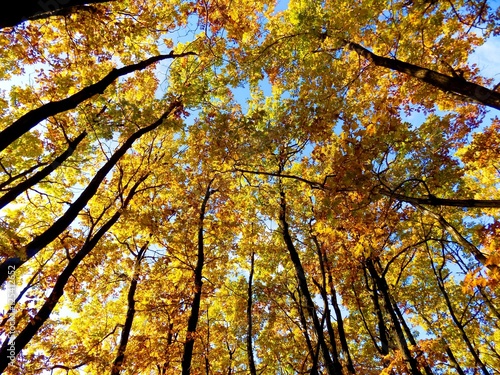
<point>42,240</point>
<point>30,330</point>
<point>24,10</point>
<point>457,85</point>
<point>436,202</point>
<point>29,120</point>
<point>37,177</point>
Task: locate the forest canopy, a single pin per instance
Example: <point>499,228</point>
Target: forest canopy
<point>249,187</point>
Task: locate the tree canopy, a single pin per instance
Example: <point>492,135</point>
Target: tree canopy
<point>249,187</point>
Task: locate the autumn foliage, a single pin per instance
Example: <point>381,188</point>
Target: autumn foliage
<point>249,187</point>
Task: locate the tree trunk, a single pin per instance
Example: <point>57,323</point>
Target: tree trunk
<point>333,367</point>
<point>457,85</point>
<point>198,283</point>
<point>29,120</point>
<point>313,353</point>
<point>456,321</point>
<point>24,337</point>
<point>365,324</point>
<point>437,202</point>
<point>129,319</point>
<point>457,236</point>
<point>409,334</point>
<point>340,321</point>
<point>250,355</point>
<point>45,238</point>
<point>382,330</point>
<point>24,10</point>
<point>324,267</point>
<point>384,289</point>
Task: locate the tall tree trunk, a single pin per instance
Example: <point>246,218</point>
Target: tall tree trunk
<point>22,174</point>
<point>45,238</point>
<point>207,348</point>
<point>454,361</point>
<point>454,84</point>
<point>382,330</point>
<point>384,289</point>
<point>30,330</point>
<point>162,370</point>
<point>409,334</point>
<point>329,326</point>
<point>129,319</point>
<point>303,321</point>
<point>454,318</point>
<point>449,352</point>
<point>365,324</point>
<point>340,326</point>
<point>198,283</point>
<point>250,355</point>
<point>325,266</point>
<point>494,310</point>
<point>436,202</point>
<point>333,367</point>
<point>457,236</point>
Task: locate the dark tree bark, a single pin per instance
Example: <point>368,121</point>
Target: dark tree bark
<point>449,352</point>
<point>454,318</point>
<point>250,355</point>
<point>431,200</point>
<point>162,370</point>
<point>454,361</point>
<point>313,353</point>
<point>382,330</point>
<point>207,348</point>
<point>329,326</point>
<point>489,302</point>
<point>24,10</point>
<point>37,177</point>
<point>340,326</point>
<point>454,84</point>
<point>326,267</point>
<point>401,340</point>
<point>29,120</point>
<point>409,335</point>
<point>187,356</point>
<point>30,330</point>
<point>435,201</point>
<point>42,240</point>
<point>333,367</point>
<point>129,319</point>
<point>365,324</point>
<point>230,351</point>
<point>24,173</point>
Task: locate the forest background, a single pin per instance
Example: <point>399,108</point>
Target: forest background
<point>209,187</point>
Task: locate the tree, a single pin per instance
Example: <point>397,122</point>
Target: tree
<point>29,10</point>
<point>340,216</point>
